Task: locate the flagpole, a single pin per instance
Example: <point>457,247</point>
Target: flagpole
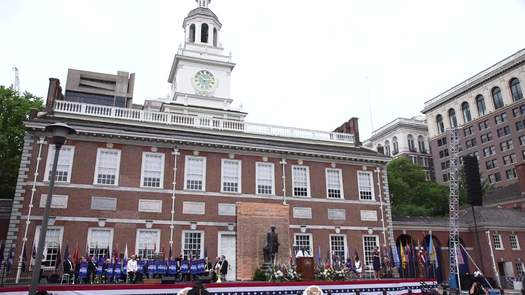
<point>28,221</point>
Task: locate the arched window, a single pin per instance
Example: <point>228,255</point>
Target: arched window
<point>497,98</point>
<point>215,37</point>
<point>452,120</point>
<point>192,33</point>
<point>387,148</point>
<point>204,33</point>
<point>411,143</point>
<point>465,109</point>
<point>439,124</point>
<point>395,145</point>
<point>480,103</point>
<point>421,144</point>
<point>515,89</point>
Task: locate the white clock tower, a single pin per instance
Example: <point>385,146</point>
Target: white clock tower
<point>201,71</point>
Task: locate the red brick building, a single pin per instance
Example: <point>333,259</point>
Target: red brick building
<point>175,173</point>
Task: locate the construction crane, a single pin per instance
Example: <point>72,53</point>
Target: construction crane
<point>16,85</point>
<point>453,207</point>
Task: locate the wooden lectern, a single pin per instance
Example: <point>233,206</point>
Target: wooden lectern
<point>305,267</point>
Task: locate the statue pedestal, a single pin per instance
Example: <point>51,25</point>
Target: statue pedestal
<point>305,267</point>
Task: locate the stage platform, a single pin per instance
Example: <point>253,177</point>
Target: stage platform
<point>365,287</point>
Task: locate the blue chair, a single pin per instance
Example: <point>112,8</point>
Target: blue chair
<point>172,268</point>
<point>162,267</point>
<point>82,272</point>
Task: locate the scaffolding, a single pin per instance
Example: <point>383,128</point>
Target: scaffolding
<point>453,206</point>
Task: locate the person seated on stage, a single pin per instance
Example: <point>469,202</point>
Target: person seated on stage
<point>358,266</point>
<point>69,268</point>
<point>349,265</point>
<point>198,289</point>
<point>132,269</point>
<point>91,269</point>
<point>105,266</point>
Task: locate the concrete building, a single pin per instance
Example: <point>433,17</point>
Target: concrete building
<point>490,111</point>
<point>404,137</point>
<point>191,175</point>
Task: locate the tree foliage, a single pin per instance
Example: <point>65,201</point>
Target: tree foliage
<point>412,194</point>
<point>14,109</point>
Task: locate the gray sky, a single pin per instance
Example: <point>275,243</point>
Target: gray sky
<point>299,63</point>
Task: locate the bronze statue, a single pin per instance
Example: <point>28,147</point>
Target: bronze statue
<point>272,246</point>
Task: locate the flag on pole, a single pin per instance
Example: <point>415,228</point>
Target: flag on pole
<point>395,256</point>
<point>126,252</point>
<point>403,257</point>
<point>319,255</point>
<point>10,259</point>
<point>76,255</point>
<point>432,252</point>
<point>170,255</point>
<point>459,255</point>
<point>66,252</point>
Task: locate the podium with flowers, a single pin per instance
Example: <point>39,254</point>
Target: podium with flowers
<point>305,268</point>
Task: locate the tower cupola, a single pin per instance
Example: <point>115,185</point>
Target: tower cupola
<point>202,26</point>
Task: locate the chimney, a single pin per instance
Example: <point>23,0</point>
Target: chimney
<point>352,127</point>
<point>520,171</point>
<point>54,92</point>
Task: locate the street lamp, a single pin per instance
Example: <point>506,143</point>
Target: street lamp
<point>57,133</point>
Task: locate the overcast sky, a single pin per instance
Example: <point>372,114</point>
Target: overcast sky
<point>302,63</point>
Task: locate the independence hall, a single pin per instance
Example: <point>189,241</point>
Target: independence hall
<point>189,174</point>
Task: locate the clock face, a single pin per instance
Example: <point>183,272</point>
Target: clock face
<point>204,81</point>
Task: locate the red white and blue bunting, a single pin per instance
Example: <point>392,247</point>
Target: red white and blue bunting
<point>365,287</point>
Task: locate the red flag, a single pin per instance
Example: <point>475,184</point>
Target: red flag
<point>76,255</point>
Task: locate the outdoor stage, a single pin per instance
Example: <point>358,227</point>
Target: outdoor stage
<point>368,287</point>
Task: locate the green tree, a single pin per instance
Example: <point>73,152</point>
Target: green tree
<point>14,109</point>
<point>412,194</point>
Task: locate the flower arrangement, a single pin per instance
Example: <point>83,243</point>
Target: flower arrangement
<point>284,273</point>
<point>332,273</point>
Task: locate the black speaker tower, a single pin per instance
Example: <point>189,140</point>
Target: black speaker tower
<point>472,180</point>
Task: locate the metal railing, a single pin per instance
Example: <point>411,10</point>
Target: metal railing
<point>197,121</point>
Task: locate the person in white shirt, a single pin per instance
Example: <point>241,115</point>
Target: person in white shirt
<point>358,266</point>
<point>132,269</point>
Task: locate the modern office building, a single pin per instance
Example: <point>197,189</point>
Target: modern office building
<point>404,137</point>
<point>489,110</point>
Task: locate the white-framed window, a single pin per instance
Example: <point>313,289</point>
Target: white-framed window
<point>365,183</point>
<point>301,181</point>
<point>58,201</point>
<point>370,242</point>
<point>147,205</point>
<point>148,242</point>
<point>64,165</point>
<point>303,240</point>
<point>498,244</point>
<point>264,178</point>
<point>514,242</point>
<point>107,167</point>
<point>100,242</point>
<point>338,248</point>
<point>520,269</point>
<point>52,245</point>
<point>192,243</point>
<point>231,176</point>
<point>152,170</point>
<point>334,183</point>
<point>195,173</point>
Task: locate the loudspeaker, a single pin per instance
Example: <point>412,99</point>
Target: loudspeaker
<point>168,280</point>
<point>472,180</point>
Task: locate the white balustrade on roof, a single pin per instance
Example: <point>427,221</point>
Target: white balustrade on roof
<point>197,121</point>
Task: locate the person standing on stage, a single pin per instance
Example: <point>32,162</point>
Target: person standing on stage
<point>376,263</point>
<point>132,269</point>
<point>91,269</point>
<point>224,267</point>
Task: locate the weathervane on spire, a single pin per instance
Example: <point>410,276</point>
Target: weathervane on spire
<point>203,3</point>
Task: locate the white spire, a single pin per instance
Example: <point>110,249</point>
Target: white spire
<point>203,3</point>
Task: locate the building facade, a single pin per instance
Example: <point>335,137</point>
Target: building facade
<point>175,175</point>
<point>488,108</point>
<point>404,137</point>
